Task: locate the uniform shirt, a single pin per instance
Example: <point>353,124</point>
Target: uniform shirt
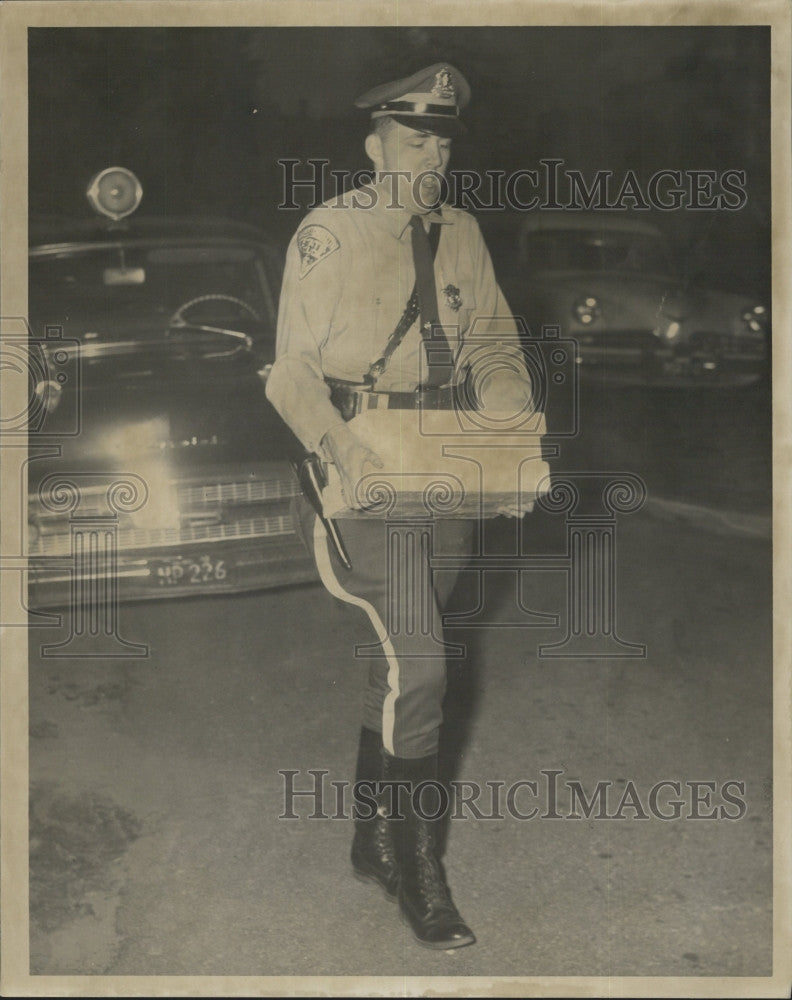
<point>349,273</point>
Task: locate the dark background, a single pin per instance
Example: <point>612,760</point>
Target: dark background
<point>202,115</point>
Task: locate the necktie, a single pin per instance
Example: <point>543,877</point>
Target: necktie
<point>438,353</point>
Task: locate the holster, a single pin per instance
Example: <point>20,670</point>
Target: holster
<point>311,475</point>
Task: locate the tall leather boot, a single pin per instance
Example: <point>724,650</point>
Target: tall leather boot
<point>373,849</point>
<point>424,898</point>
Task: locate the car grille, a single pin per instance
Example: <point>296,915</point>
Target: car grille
<point>715,342</point>
<point>246,492</point>
<point>206,512</point>
<point>59,544</point>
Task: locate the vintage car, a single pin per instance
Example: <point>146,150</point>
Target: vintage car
<point>606,281</point>
<point>157,467</point>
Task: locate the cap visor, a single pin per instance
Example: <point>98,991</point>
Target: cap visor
<point>434,124</point>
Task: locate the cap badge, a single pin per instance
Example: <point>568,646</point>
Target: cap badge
<point>444,86</point>
<point>452,297</point>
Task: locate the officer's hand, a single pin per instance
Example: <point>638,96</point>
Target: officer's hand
<point>351,457</point>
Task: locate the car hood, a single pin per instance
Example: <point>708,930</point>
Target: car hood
<point>174,406</point>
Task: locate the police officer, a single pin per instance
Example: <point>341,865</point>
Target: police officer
<point>381,286</point>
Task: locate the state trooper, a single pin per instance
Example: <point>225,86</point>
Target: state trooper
<point>368,276</point>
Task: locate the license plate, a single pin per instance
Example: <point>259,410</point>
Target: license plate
<point>199,572</point>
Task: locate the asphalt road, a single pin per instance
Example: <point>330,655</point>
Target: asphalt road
<point>156,842</point>
<point>709,445</point>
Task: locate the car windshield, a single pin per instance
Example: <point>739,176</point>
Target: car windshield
<point>592,250</point>
<point>123,291</point>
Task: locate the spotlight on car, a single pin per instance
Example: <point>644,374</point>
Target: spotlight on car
<point>586,310</point>
<point>115,193</point>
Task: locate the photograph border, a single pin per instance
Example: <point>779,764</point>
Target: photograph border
<point>15,19</point>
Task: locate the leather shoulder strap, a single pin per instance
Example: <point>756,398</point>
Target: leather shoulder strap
<point>406,320</point>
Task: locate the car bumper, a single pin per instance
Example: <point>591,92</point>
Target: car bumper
<point>222,530</point>
<point>638,357</point>
<point>155,574</point>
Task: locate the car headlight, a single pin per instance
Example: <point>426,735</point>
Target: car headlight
<point>137,447</point>
<point>48,394</point>
<point>755,318</point>
<point>586,310</point>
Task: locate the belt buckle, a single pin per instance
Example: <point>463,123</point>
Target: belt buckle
<point>433,395</point>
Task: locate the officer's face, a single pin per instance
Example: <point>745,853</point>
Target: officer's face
<point>421,156</point>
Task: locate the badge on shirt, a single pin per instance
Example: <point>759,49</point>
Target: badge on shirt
<point>452,297</point>
<point>314,243</point>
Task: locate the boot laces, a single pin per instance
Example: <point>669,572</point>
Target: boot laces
<point>382,838</point>
<point>431,882</point>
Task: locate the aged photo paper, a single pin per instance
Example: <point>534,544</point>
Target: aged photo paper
<point>186,663</point>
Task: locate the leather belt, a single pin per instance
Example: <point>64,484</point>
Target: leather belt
<point>351,398</point>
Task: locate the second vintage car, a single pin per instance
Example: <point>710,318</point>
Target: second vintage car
<point>606,280</point>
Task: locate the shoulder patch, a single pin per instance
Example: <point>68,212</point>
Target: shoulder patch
<point>314,243</point>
